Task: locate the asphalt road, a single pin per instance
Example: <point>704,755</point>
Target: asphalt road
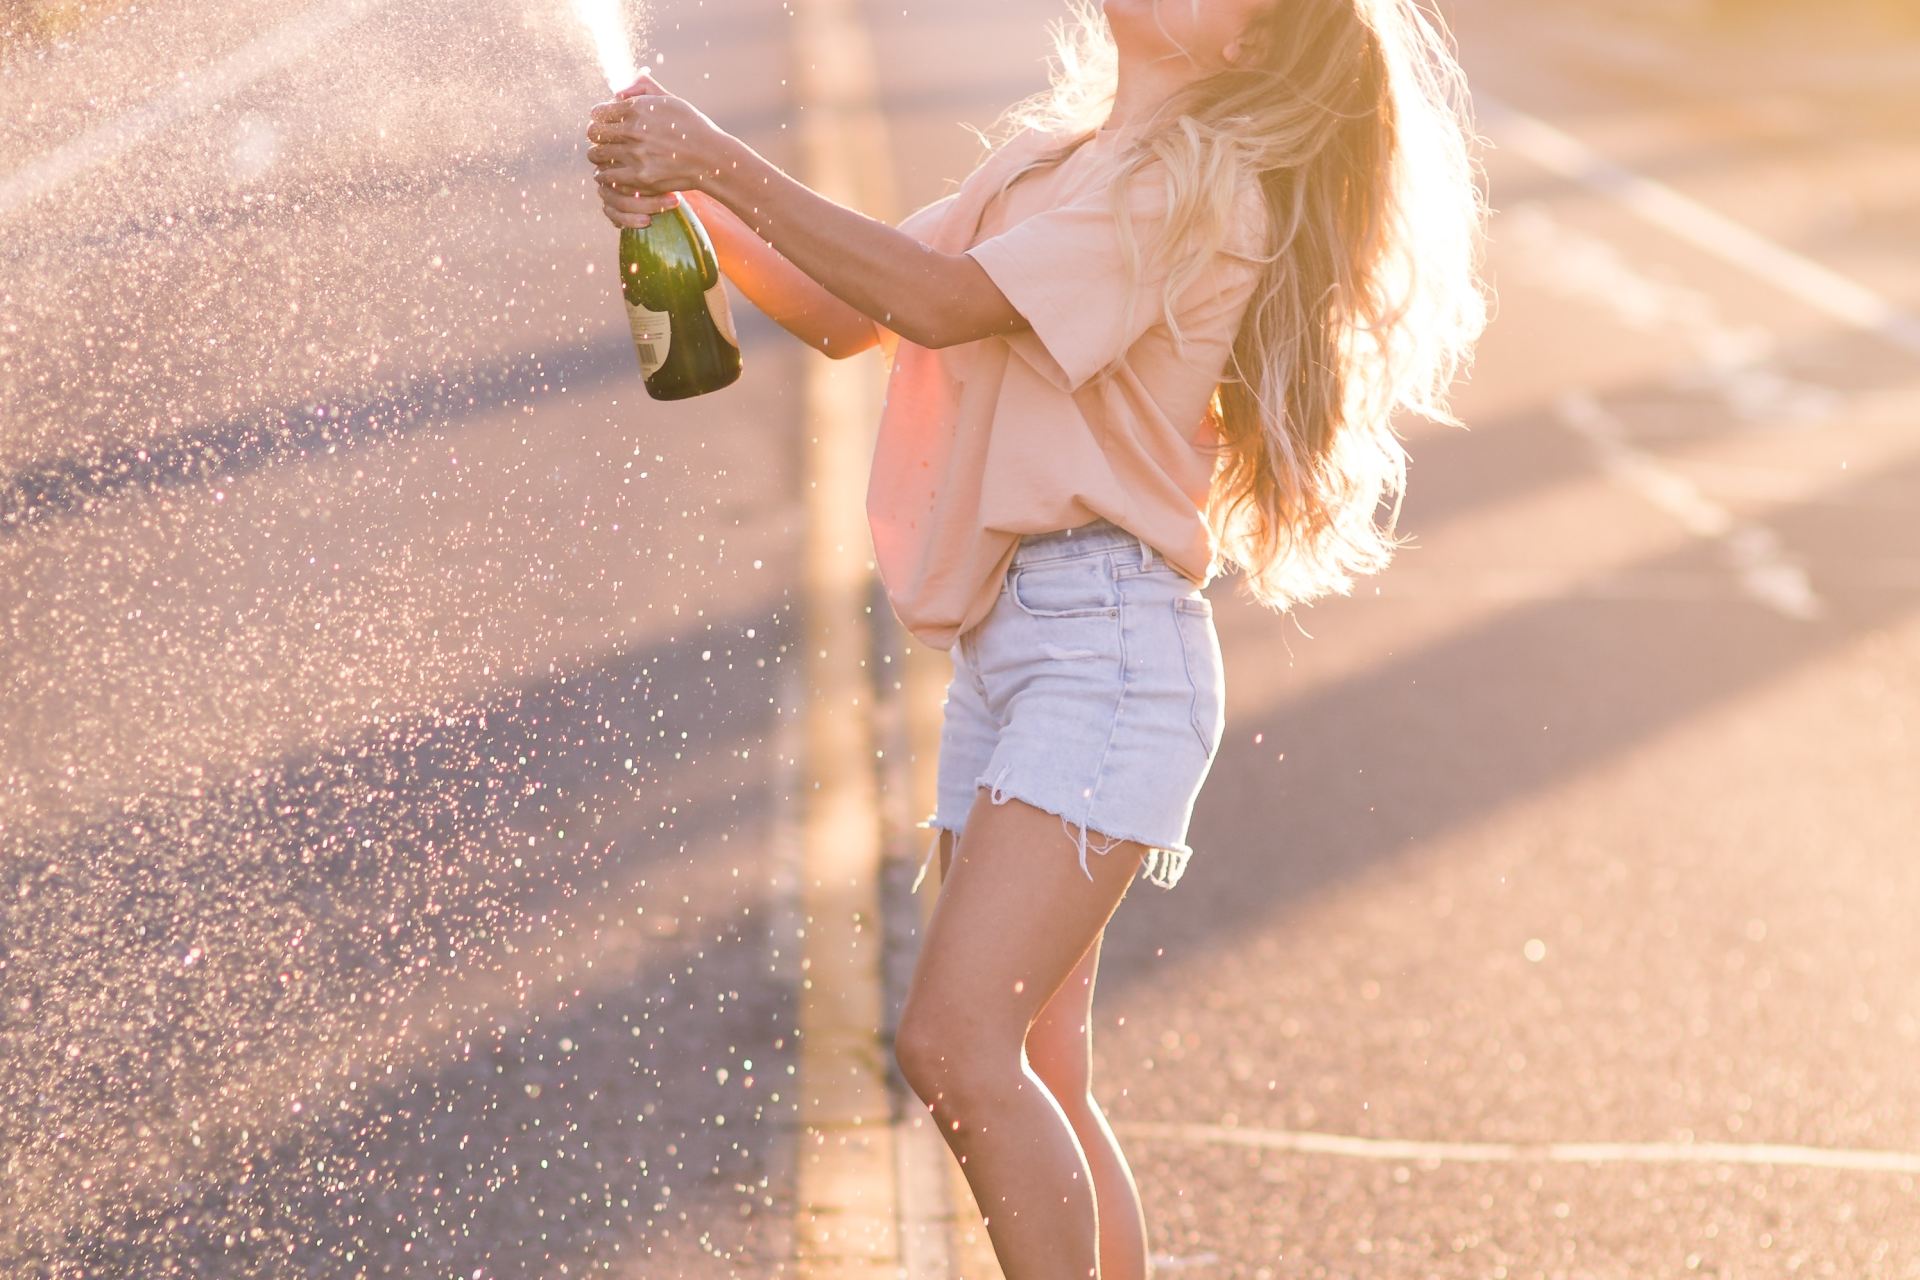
<point>393,695</point>
<point>396,707</point>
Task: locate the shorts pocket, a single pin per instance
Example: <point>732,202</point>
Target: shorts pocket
<point>1206,669</point>
<point>1080,587</point>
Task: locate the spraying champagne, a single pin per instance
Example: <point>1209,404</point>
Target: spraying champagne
<point>669,277</point>
<point>677,306</point>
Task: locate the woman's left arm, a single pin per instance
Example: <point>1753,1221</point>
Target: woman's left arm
<point>649,142</point>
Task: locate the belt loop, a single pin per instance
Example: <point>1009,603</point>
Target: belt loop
<point>1146,553</point>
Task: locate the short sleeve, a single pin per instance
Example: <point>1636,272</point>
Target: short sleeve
<point>1065,271</point>
<point>924,221</point>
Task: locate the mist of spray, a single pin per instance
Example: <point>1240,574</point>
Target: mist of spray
<point>607,27</point>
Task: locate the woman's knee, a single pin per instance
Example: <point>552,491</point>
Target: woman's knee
<point>949,1052</point>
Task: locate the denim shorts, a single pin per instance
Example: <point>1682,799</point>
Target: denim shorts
<point>1093,690</point>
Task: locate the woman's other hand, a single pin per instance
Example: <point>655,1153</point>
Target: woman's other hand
<point>633,211</point>
<point>647,145</point>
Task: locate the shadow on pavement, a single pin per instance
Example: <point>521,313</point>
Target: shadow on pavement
<point>371,1012</point>
<point>1458,724</point>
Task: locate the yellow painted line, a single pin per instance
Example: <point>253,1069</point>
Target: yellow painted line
<point>883,1200</point>
<point>847,1189</point>
<point>849,1225</point>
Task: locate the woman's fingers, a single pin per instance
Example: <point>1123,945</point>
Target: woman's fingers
<point>644,86</point>
<point>605,131</point>
<point>614,139</point>
<point>625,106</point>
<point>628,203</point>
<point>615,120</point>
<point>620,219</point>
<point>633,182</point>
<point>620,162</point>
<point>625,209</point>
<point>651,143</point>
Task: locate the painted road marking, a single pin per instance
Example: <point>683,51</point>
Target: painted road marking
<point>1722,1153</point>
<point>846,1196</point>
<point>1588,269</point>
<point>1738,361</point>
<point>1764,569</point>
<point>104,143</point>
<point>1513,585</point>
<point>850,1176</point>
<point>1734,243</point>
<point>847,157</point>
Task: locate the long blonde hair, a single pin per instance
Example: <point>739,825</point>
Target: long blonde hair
<point>1352,118</point>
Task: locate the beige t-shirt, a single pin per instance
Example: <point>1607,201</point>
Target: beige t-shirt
<point>981,442</point>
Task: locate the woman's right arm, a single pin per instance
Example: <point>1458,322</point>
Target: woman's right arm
<point>647,142</point>
<point>789,296</point>
<point>785,294</point>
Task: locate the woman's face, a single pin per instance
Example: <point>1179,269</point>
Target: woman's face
<point>1208,31</point>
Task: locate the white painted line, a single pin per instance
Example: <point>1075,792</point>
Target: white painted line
<point>1765,571</point>
<point>1177,1262</point>
<point>1738,359</point>
<point>1722,1153</point>
<point>1713,233</point>
<point>281,47</point>
<point>1528,586</point>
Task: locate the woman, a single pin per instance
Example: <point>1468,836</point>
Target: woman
<point>1163,326</point>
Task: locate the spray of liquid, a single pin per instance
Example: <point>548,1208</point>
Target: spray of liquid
<point>607,27</point>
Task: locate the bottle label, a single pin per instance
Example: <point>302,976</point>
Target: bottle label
<point>722,313</point>
<point>652,335</point>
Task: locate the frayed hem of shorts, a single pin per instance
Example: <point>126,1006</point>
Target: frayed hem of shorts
<point>933,847</point>
<point>1162,867</point>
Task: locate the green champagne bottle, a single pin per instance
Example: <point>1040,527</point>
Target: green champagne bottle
<point>677,306</point>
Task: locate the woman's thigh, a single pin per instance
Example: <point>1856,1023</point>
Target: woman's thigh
<point>1013,920</point>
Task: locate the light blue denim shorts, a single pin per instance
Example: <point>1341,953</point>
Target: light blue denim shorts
<point>1094,690</point>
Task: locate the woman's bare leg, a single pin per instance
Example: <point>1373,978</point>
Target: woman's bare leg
<point>1014,918</point>
<point>1060,1047</point>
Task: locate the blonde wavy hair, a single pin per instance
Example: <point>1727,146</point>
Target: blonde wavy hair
<point>1352,117</point>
